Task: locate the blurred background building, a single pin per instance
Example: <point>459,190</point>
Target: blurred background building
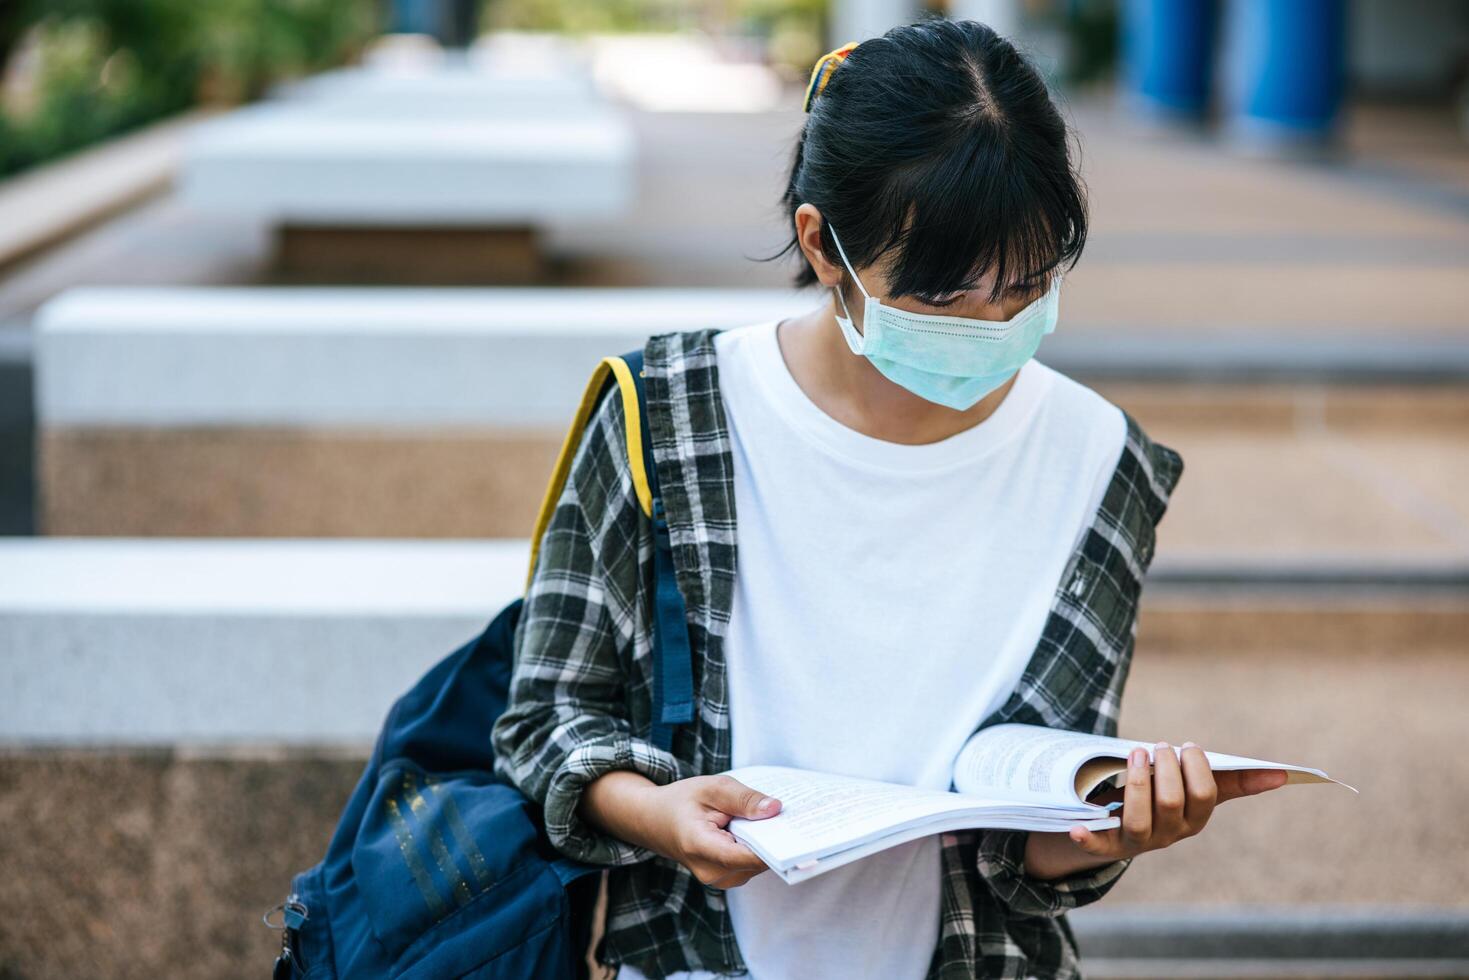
<point>296,299</point>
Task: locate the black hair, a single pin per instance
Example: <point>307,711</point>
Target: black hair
<point>940,140</point>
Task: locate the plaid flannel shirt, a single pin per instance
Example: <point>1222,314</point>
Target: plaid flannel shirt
<point>580,699</point>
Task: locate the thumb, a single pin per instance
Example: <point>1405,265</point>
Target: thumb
<point>1098,844</point>
<point>1248,782</point>
<point>738,800</point>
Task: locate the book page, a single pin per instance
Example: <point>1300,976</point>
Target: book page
<point>1102,769</point>
<point>812,868</point>
<point>824,811</point>
<point>1010,759</point>
<point>1066,766</point>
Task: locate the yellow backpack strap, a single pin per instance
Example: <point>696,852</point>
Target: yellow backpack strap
<point>618,369</point>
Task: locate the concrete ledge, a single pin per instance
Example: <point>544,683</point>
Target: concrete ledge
<point>303,165</point>
<point>1324,932</point>
<point>1182,968</point>
<point>1388,355</point>
<point>455,90</point>
<point>316,411</point>
<point>1423,575</point>
<point>145,642</point>
<point>517,357</point>
<point>342,356</point>
<point>150,641</point>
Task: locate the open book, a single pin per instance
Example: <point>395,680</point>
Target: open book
<point>1016,777</point>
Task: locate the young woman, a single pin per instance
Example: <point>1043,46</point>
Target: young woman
<point>935,532</point>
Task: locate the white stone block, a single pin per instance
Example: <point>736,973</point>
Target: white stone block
<point>305,166</point>
<point>158,641</point>
<point>338,356</point>
<point>455,91</point>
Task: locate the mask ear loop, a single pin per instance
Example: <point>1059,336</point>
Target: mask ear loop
<point>843,253</point>
<point>869,321</point>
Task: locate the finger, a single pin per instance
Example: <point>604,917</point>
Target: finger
<point>1099,843</point>
<point>730,796</point>
<point>734,879</point>
<point>720,847</point>
<point>1199,787</point>
<point>1137,800</point>
<point>1248,782</point>
<point>1168,796</point>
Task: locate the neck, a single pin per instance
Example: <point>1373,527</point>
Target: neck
<point>851,390</point>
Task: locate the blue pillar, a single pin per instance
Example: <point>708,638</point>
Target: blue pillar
<point>1286,66</point>
<point>1168,54</point>
<point>452,22</point>
<point>416,17</point>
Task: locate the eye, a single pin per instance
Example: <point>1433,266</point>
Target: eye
<point>1029,291</point>
<point>941,301</point>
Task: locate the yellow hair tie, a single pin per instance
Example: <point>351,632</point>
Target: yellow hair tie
<point>825,65</point>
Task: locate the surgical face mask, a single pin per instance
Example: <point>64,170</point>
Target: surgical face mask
<point>951,360</point>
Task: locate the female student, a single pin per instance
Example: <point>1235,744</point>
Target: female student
<point>934,532</point>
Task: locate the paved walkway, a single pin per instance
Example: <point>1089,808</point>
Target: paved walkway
<point>1385,492</point>
<point>1186,235</point>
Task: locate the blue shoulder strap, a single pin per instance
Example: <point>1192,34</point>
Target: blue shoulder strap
<point>673,676</point>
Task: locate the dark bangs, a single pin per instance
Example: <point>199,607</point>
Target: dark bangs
<point>940,142</point>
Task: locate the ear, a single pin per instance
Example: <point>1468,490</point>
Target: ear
<point>808,236</point>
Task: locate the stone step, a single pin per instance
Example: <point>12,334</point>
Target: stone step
<point>178,704</point>
<point>217,641</point>
<point>1339,494</point>
<point>102,844</point>
<point>324,357</point>
<point>1289,932</point>
<point>1139,941</point>
<point>407,356</point>
<point>316,412</point>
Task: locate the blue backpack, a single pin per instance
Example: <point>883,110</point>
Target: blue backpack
<point>437,869</point>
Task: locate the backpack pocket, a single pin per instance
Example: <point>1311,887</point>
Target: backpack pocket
<point>441,857</point>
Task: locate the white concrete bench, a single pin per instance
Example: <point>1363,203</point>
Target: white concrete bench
<point>126,641</point>
<point>385,358</point>
<point>303,166</point>
<point>454,90</point>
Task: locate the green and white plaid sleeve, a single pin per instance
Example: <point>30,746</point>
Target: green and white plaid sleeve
<point>567,720</point>
<point>1001,858</point>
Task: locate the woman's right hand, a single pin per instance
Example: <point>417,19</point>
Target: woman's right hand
<point>689,817</point>
<point>684,820</point>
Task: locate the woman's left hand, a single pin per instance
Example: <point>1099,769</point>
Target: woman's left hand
<point>1160,808</point>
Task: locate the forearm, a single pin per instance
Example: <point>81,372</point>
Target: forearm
<point>1056,855</point>
<point>618,803</point>
<point>1004,862</point>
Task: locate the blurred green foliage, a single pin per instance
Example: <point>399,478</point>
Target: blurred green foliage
<point>94,68</point>
<point>794,30</point>
<point>791,31</point>
<point>586,16</point>
<point>1092,28</point>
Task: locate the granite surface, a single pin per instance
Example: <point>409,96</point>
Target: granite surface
<point>135,864</point>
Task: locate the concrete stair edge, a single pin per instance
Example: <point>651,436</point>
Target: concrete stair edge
<point>1273,933</point>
